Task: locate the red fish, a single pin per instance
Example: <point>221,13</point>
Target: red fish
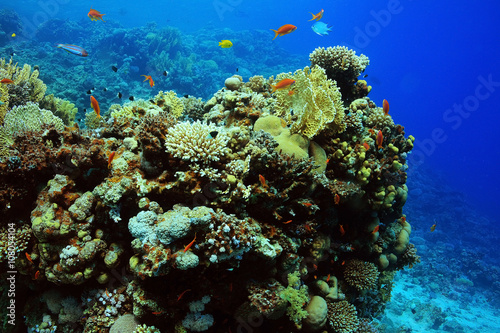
<point>284,30</point>
<point>37,275</point>
<point>262,181</point>
<point>380,139</point>
<point>317,16</point>
<point>291,92</point>
<point>182,294</point>
<point>148,77</point>
<point>7,81</point>
<point>289,221</point>
<point>110,159</point>
<point>190,244</point>
<point>375,230</point>
<point>366,145</point>
<point>95,106</point>
<point>283,84</point>
<point>342,231</point>
<point>385,107</point>
<point>337,199</point>
<point>28,257</point>
<point>95,15</point>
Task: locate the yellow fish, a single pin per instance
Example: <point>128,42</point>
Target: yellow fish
<point>225,44</point>
<point>13,34</point>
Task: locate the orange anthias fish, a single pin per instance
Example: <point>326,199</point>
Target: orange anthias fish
<point>366,145</point>
<point>110,159</point>
<point>262,181</point>
<point>433,227</point>
<point>317,16</point>
<point>385,107</point>
<point>283,84</point>
<point>190,244</point>
<point>29,257</point>
<point>148,77</point>
<point>95,106</point>
<point>95,15</point>
<point>375,230</point>
<point>337,199</point>
<point>284,30</point>
<point>182,294</point>
<point>342,231</point>
<point>380,139</point>
<point>7,81</point>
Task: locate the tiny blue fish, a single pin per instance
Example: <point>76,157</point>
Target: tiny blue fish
<point>73,49</point>
<point>321,28</point>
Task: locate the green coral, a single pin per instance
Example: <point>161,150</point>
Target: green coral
<point>297,296</point>
<point>25,118</point>
<point>317,102</point>
<point>27,87</point>
<point>61,108</point>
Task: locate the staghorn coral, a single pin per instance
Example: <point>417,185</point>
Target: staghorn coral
<point>194,142</point>
<point>343,66</point>
<point>342,317</point>
<point>361,274</point>
<point>317,102</point>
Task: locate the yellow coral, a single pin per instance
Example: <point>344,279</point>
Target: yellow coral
<point>4,102</point>
<point>61,108</point>
<point>169,101</point>
<point>317,102</point>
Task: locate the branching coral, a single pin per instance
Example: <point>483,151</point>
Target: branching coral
<point>342,317</point>
<point>342,65</point>
<point>361,274</point>
<point>317,102</point>
<point>197,142</point>
<point>169,102</point>
<point>60,107</point>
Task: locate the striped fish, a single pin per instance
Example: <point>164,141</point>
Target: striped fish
<point>74,49</point>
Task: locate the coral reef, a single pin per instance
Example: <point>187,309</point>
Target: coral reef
<point>162,207</point>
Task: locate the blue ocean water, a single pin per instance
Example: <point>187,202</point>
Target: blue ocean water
<point>436,63</point>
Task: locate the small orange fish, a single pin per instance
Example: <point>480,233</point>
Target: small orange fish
<point>182,294</point>
<point>371,131</point>
<point>290,221</point>
<point>317,16</point>
<point>148,77</point>
<point>95,105</point>
<point>315,267</point>
<point>342,231</point>
<point>291,92</point>
<point>380,139</point>
<point>94,15</point>
<point>328,277</point>
<point>110,159</point>
<point>375,230</point>
<point>29,257</point>
<point>385,107</point>
<point>7,81</point>
<point>262,181</point>
<point>366,145</point>
<point>327,160</point>
<point>283,84</point>
<point>307,204</point>
<point>343,263</point>
<point>37,275</point>
<point>190,244</point>
<point>157,312</point>
<point>308,227</point>
<point>337,199</point>
<point>433,227</point>
<point>107,294</point>
<point>284,30</point>
<point>403,219</point>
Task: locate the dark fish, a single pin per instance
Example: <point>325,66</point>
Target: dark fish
<point>366,75</point>
<point>114,68</point>
<point>119,95</point>
<point>165,73</point>
<point>85,110</point>
<point>105,89</point>
<point>213,134</point>
<point>131,98</point>
<point>186,96</point>
<point>12,54</point>
<point>89,92</point>
<point>236,68</point>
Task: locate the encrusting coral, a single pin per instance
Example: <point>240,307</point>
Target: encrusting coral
<point>163,206</point>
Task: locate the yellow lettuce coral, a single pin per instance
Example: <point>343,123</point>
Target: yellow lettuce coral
<point>62,108</point>
<point>169,101</point>
<point>316,102</point>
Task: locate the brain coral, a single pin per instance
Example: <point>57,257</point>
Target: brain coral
<point>342,317</point>
<point>361,274</point>
<point>317,102</point>
<point>193,142</point>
